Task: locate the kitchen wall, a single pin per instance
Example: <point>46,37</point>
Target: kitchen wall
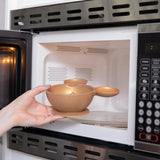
<point>30,3</point>
<point>2,13</point>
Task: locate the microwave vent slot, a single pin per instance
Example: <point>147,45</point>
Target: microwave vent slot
<point>74,18</point>
<point>113,157</point>
<point>149,11</point>
<point>96,12</point>
<point>19,17</point>
<point>148,3</point>
<point>60,72</point>
<point>96,50</point>
<point>35,22</point>
<point>54,20</point>
<point>54,13</point>
<point>19,20</point>
<point>54,16</point>
<point>121,14</point>
<point>17,139</point>
<point>74,11</point>
<point>71,148</point>
<point>68,49</point>
<point>95,9</point>
<point>33,140</point>
<point>70,155</point>
<point>35,15</point>
<point>148,7</point>
<point>35,18</point>
<point>92,152</point>
<point>121,10</point>
<point>121,6</point>
<point>51,144</point>
<point>74,15</point>
<point>49,150</point>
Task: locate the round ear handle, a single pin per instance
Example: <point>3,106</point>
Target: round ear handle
<point>106,91</point>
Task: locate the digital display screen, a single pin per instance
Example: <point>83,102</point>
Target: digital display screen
<point>152,48</point>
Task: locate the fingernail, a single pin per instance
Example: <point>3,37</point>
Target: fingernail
<point>47,85</point>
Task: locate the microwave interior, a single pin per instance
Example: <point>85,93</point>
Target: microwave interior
<point>101,63</point>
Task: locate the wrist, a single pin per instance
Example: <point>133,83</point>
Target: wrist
<point>7,119</point>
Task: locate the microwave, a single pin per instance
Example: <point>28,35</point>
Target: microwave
<point>113,54</point>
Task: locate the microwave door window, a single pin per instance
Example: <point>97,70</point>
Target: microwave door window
<point>7,74</point>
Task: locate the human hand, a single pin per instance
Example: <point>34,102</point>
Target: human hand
<point>26,111</point>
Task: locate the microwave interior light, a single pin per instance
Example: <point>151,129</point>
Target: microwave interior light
<point>12,48</point>
<point>6,60</point>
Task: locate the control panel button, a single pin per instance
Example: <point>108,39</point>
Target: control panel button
<point>156,74</point>
<point>155,89</point>
<point>144,81</point>
<point>156,114</point>
<point>141,104</point>
<point>148,137</point>
<point>149,113</point>
<point>148,129</point>
<point>140,120</point>
<point>144,75</point>
<point>145,61</point>
<point>157,105</point>
<point>144,88</point>
<point>141,112</point>
<point>140,128</point>
<point>144,68</point>
<point>155,82</point>
<point>155,69</point>
<point>148,121</point>
<point>156,130</point>
<point>157,122</point>
<point>149,104</point>
<point>144,96</point>
<point>155,97</point>
<point>155,61</point>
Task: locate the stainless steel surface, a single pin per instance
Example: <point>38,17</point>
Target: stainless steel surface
<point>149,28</point>
<point>68,148</point>
<point>147,147</point>
<point>85,13</point>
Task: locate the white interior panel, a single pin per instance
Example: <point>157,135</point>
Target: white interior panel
<point>105,57</point>
<point>105,64</point>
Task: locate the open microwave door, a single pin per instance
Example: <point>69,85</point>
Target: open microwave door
<point>15,64</point>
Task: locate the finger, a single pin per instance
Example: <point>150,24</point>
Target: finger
<point>35,91</point>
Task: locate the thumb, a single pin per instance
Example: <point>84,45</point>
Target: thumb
<point>35,91</point>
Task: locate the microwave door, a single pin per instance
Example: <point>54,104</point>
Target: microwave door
<point>15,65</point>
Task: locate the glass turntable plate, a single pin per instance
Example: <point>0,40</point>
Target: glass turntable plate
<point>105,118</point>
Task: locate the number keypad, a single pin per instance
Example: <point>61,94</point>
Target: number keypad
<point>148,97</point>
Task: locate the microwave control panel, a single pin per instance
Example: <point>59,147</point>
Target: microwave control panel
<point>147,126</point>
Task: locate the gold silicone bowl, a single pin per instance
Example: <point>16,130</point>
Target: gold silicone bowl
<point>75,81</point>
<point>76,98</point>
